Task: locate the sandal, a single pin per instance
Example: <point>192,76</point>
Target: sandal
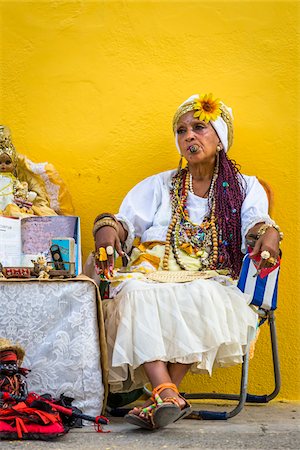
<point>168,409</point>
<point>145,421</point>
<point>185,411</point>
<point>162,411</point>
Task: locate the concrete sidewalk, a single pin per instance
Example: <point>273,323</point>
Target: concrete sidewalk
<point>272,426</point>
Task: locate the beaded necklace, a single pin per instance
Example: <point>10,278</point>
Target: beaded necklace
<point>199,241</point>
<point>191,185</point>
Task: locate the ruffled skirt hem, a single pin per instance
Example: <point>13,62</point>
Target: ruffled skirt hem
<point>202,323</point>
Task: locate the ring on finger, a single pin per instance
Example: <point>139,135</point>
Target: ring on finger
<point>109,250</point>
<point>265,254</point>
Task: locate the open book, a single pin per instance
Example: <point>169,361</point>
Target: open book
<point>21,240</point>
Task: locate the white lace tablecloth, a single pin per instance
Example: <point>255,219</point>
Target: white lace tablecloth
<point>57,324</point>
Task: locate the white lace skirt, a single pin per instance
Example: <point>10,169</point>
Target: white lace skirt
<point>202,323</point>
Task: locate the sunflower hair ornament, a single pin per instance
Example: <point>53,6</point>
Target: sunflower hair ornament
<point>207,108</point>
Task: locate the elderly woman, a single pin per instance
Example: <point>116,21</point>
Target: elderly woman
<point>176,307</point>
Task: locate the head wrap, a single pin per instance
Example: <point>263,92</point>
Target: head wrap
<point>6,145</point>
<point>222,124</point>
<point>7,345</point>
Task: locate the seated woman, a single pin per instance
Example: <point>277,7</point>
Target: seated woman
<point>192,224</point>
<point>25,186</point>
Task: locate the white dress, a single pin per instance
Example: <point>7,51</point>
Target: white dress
<point>204,322</point>
<point>6,190</point>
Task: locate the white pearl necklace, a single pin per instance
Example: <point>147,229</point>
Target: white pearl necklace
<point>209,191</point>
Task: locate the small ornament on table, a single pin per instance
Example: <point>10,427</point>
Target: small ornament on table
<point>15,272</point>
<point>41,268</point>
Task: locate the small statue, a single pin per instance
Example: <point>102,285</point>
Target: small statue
<point>41,268</point>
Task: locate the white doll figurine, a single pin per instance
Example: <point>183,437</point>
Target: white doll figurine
<point>15,199</point>
<point>28,188</point>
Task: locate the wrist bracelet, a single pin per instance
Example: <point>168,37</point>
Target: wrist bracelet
<point>278,230</point>
<point>105,222</point>
<point>103,216</point>
<point>266,226</point>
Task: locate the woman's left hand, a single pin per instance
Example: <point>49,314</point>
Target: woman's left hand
<point>268,242</point>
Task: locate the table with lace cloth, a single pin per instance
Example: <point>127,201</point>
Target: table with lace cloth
<point>60,325</point>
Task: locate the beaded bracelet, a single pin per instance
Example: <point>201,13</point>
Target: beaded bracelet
<point>266,226</point>
<point>105,222</point>
<point>103,216</point>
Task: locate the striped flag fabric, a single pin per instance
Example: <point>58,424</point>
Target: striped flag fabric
<point>262,289</point>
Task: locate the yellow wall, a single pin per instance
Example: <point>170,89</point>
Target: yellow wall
<point>92,87</point>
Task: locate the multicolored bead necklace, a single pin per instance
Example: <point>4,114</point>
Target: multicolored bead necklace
<point>199,241</point>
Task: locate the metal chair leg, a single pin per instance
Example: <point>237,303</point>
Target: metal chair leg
<point>214,415</point>
<point>276,367</point>
<point>249,398</point>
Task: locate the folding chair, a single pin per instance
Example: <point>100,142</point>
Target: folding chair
<point>265,308</point>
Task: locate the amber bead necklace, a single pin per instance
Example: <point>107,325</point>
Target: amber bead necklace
<point>202,239</point>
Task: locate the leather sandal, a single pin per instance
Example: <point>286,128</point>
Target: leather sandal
<point>145,420</point>
<point>168,410</point>
<point>162,411</point>
<point>186,410</point>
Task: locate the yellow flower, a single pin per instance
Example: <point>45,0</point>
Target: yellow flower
<point>207,108</point>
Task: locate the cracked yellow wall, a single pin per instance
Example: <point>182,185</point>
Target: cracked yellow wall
<point>92,87</point>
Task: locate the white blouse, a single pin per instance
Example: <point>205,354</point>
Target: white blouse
<point>146,210</point>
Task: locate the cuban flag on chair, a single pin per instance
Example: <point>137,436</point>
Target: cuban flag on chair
<point>262,287</point>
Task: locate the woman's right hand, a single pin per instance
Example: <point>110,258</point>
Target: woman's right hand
<point>107,237</point>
